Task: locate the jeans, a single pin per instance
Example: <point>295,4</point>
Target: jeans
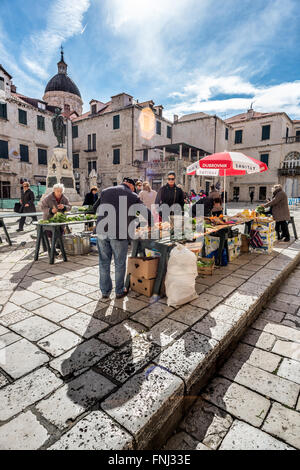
<point>106,249</point>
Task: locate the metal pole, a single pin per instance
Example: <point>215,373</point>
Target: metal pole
<point>224,191</point>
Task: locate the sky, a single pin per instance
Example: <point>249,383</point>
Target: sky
<point>212,56</point>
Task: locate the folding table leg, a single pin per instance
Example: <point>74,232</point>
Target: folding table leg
<point>61,244</point>
<point>6,233</point>
<point>39,230</point>
<point>162,264</point>
<point>294,228</point>
<point>53,243</point>
<point>134,252</point>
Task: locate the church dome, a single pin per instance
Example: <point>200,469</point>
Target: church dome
<point>61,81</point>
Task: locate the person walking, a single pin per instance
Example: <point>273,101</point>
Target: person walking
<point>114,230</point>
<point>169,194</point>
<point>27,205</point>
<point>91,198</point>
<point>138,187</point>
<point>251,196</point>
<point>280,212</point>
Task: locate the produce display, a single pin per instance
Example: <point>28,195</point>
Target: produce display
<point>60,218</point>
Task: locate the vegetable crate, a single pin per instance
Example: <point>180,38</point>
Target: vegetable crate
<point>206,266</point>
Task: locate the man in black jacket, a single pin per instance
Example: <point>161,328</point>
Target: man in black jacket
<point>207,207</point>
<point>170,195</point>
<point>117,210</point>
<point>27,205</point>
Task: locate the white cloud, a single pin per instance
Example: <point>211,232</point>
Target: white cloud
<point>64,20</point>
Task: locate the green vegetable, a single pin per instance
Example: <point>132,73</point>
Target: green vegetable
<point>260,209</point>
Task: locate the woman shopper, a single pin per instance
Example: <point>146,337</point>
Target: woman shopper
<point>91,197</point>
<point>280,212</point>
<point>27,205</point>
<point>216,197</point>
<point>148,196</point>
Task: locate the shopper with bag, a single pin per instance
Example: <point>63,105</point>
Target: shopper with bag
<point>280,212</point>
<point>27,205</point>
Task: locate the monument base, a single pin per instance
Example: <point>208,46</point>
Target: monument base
<point>60,170</point>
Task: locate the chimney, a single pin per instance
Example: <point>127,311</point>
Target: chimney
<point>175,118</point>
<point>13,88</point>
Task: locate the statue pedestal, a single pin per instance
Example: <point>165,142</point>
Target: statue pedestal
<point>60,170</point>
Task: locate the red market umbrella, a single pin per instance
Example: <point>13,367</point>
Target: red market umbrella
<point>226,164</point>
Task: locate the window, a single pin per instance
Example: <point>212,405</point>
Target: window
<point>145,155</point>
<point>264,157</point>
<point>3,149</point>
<point>41,105</point>
<point>89,142</point>
<point>1,83</point>
<point>238,137</point>
<point>75,132</point>
<point>116,122</point>
<point>158,127</point>
<point>116,159</point>
<point>226,133</point>
<point>94,142</point>
<point>41,123</point>
<point>22,117</point>
<point>75,160</point>
<point>24,153</point>
<point>265,135</point>
<point>169,132</point>
<point>94,108</point>
<point>3,110</point>
<point>92,165</point>
<point>5,189</point>
<point>42,156</point>
<point>297,136</point>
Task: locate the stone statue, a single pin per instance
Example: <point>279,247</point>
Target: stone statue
<point>59,127</point>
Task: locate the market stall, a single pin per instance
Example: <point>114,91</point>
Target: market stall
<point>12,215</point>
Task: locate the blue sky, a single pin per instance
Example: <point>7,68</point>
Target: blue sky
<point>215,56</point>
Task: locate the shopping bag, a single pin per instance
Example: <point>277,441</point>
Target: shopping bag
<point>181,276</point>
<point>17,207</point>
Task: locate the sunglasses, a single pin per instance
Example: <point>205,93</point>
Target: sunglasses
<point>171,179</point>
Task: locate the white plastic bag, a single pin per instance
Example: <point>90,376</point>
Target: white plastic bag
<point>181,274</point>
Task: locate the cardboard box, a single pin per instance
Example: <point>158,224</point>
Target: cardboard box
<point>143,268</point>
<point>142,286</point>
<point>245,244</point>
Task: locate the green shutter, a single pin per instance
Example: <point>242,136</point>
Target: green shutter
<point>75,160</point>
<point>116,122</point>
<point>22,117</point>
<point>75,132</point>
<point>116,159</point>
<point>266,132</point>
<point>265,158</point>
<point>3,110</point>
<point>3,149</point>
<point>238,137</point>
<point>42,157</point>
<point>24,153</point>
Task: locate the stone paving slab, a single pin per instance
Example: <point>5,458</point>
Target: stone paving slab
<point>261,381</point>
<point>237,400</point>
<point>59,342</point>
<point>96,431</point>
<point>22,357</point>
<point>183,441</point>
<point>23,433</point>
<point>34,328</point>
<point>83,325</point>
<point>27,391</point>
<point>284,424</point>
<point>289,370</point>
<point>73,399</point>
<point>259,339</point>
<point>153,397</point>
<point>242,436</point>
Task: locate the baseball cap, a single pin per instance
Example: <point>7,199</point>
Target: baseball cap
<point>129,180</point>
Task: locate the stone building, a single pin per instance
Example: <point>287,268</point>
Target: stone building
<point>124,138</point>
<point>273,138</point>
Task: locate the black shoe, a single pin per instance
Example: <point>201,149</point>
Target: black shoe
<point>56,253</point>
<point>105,296</point>
<point>120,296</point>
<point>19,230</point>
<point>286,239</point>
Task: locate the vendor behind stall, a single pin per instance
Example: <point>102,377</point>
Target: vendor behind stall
<point>55,202</point>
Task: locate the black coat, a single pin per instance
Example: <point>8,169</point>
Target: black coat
<point>111,196</point>
<point>170,196</point>
<point>90,199</point>
<point>27,197</point>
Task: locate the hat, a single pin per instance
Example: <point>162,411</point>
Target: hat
<point>94,187</point>
<point>129,180</point>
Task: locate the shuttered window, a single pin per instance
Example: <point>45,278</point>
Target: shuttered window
<point>1,83</point>
<point>89,142</point>
<point>169,132</point>
<point>145,155</point>
<point>24,153</point>
<point>226,133</point>
<point>3,149</point>
<point>264,157</point>
<point>116,122</point>
<point>3,110</point>
<point>266,130</point>
<point>75,160</point>
<point>116,159</point>
<point>92,166</point>
<point>75,132</point>
<point>41,123</point>
<point>94,142</point>
<point>22,116</point>
<point>42,156</point>
<point>158,127</point>
<point>238,137</point>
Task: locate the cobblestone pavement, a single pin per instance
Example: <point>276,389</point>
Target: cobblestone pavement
<point>253,401</point>
<point>78,371</point>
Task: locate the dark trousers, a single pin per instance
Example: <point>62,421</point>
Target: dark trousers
<point>22,222</point>
<point>282,230</point>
